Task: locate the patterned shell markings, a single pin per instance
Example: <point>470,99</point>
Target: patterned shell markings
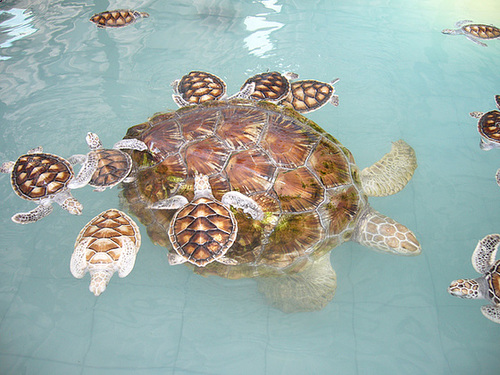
<point>305,181</point>
<point>39,175</point>
<point>483,31</point>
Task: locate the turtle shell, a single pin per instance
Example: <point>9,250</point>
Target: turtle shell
<point>198,87</point>
<point>112,168</point>
<point>106,232</point>
<point>309,95</point>
<point>270,86</point>
<point>493,280</point>
<point>40,175</point>
<point>117,18</point>
<point>482,31</point>
<point>304,180</point>
<point>203,231</point>
<point>489,126</point>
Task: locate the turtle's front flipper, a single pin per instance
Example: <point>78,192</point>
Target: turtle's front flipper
<point>173,203</point>
<point>485,252</point>
<point>308,290</point>
<point>497,176</point>
<point>475,40</point>
<point>491,312</point>
<point>247,204</point>
<point>131,144</point>
<point>34,215</point>
<point>7,167</point>
<point>77,159</point>
<point>380,232</point>
<point>391,173</point>
<point>86,172</point>
<point>245,92</point>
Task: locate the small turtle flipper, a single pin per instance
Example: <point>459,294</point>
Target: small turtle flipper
<point>391,173</point>
<point>172,203</point>
<point>34,215</point>
<point>380,232</point>
<point>127,257</point>
<point>180,101</point>
<point>483,256</point>
<point>309,290</point>
<point>497,177</point>
<point>247,204</point>
<point>77,159</point>
<point>491,312</point>
<point>78,263</point>
<point>475,40</point>
<point>87,170</point>
<point>7,167</point>
<point>175,259</point>
<point>462,22</point>
<point>131,144</point>
<point>245,92</point>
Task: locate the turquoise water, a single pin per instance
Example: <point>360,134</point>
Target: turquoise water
<point>399,78</point>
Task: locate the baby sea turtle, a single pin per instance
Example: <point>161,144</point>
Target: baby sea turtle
<point>203,230</point>
<point>45,179</point>
<point>488,127</point>
<point>309,95</point>
<point>474,32</point>
<point>108,243</point>
<point>198,87</point>
<point>117,18</point>
<point>312,194</point>
<point>488,285</point>
<point>114,166</point>
<point>270,86</point>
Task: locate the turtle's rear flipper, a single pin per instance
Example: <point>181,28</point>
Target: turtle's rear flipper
<point>491,312</point>
<point>391,173</point>
<point>308,290</point>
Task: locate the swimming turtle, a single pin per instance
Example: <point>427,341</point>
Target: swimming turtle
<point>203,230</point>
<point>488,127</point>
<point>114,166</point>
<point>309,95</point>
<point>488,285</point>
<point>270,86</point>
<point>45,179</point>
<point>107,244</point>
<point>198,87</point>
<point>474,32</point>
<point>311,192</point>
<point>117,18</point>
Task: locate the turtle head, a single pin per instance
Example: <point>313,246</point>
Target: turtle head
<point>449,31</point>
<point>93,141</point>
<point>465,288</point>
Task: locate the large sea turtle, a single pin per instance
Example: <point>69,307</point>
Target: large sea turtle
<point>486,286</point>
<point>311,192</point>
<point>474,31</point>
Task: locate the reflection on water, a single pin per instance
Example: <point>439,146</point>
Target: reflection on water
<point>259,41</point>
<point>17,25</point>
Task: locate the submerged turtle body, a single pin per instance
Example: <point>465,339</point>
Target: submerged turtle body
<point>306,183</point>
<point>474,32</point>
<point>117,18</point>
<point>107,244</point>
